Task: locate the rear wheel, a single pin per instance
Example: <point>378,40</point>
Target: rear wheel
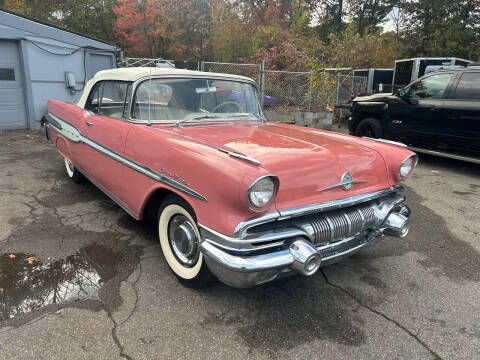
<point>73,172</point>
<point>180,242</point>
<point>369,127</point>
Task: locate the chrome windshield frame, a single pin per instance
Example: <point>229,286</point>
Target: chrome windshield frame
<point>139,81</point>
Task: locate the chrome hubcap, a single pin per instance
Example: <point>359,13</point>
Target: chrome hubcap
<point>70,165</point>
<point>183,240</point>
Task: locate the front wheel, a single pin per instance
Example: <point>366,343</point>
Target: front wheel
<point>180,242</point>
<point>369,127</point>
<point>73,172</point>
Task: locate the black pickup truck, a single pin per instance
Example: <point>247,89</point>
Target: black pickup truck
<point>438,114</point>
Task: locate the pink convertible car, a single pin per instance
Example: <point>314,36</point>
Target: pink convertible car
<point>234,196</point>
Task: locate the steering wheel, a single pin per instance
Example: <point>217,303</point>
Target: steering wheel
<point>240,109</point>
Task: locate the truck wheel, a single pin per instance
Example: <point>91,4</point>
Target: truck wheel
<point>73,172</point>
<point>180,242</point>
<point>369,127</point>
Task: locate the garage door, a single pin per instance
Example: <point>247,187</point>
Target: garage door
<point>12,104</point>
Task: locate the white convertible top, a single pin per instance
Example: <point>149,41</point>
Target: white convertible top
<point>135,73</point>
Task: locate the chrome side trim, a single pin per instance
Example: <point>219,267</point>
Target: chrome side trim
<point>73,134</point>
<point>321,207</point>
<point>240,156</point>
<point>446,155</point>
<point>113,198</point>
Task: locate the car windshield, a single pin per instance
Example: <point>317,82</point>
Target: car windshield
<point>195,99</point>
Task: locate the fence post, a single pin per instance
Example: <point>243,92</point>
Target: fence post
<point>202,66</point>
<point>262,82</point>
<point>338,90</point>
<point>353,80</point>
<point>310,91</point>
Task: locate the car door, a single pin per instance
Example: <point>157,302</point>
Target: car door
<point>106,134</point>
<point>461,113</point>
<point>416,116</point>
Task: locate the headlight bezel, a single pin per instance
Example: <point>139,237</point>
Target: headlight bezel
<point>276,185</point>
<point>414,165</point>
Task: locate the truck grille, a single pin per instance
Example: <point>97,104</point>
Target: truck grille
<point>336,225</point>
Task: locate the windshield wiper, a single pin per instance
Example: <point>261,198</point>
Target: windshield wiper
<point>180,122</point>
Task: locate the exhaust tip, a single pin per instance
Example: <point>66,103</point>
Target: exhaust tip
<point>306,260</point>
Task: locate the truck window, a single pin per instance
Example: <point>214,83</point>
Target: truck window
<point>468,87</point>
<point>432,87</point>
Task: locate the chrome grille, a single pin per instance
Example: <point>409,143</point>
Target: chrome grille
<point>335,225</point>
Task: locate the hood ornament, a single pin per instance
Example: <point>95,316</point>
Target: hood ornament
<point>346,181</point>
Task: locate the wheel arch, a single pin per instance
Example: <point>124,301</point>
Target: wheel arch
<point>153,201</point>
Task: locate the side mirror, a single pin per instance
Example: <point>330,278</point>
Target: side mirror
<point>412,101</point>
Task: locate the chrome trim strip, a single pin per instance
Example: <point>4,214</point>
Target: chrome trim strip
<point>52,120</point>
<point>240,156</point>
<point>446,155</point>
<point>336,204</point>
<point>391,142</point>
<point>73,134</point>
<point>246,244</point>
<point>341,183</point>
<point>113,198</point>
<point>236,263</point>
<point>303,210</point>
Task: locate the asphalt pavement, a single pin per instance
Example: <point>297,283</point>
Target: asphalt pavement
<point>80,279</point>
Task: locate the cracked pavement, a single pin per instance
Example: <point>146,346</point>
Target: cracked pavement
<point>98,286</point>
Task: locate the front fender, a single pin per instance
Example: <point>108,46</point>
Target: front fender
<point>375,107</point>
<point>217,177</point>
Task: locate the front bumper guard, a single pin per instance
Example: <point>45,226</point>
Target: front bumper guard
<point>298,256</point>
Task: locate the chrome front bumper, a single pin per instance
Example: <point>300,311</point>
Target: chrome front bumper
<point>283,247</point>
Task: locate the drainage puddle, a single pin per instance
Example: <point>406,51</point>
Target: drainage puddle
<point>27,285</point>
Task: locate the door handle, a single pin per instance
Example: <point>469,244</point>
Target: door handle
<point>88,123</point>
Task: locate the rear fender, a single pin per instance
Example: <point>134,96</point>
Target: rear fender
<point>63,148</point>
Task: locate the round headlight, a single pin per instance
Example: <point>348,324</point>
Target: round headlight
<point>261,193</point>
<point>407,167</point>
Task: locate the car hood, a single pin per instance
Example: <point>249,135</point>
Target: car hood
<point>308,162</point>
<point>374,97</point>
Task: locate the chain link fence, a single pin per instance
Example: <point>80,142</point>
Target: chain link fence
<point>282,93</point>
<point>348,87</point>
<point>253,71</point>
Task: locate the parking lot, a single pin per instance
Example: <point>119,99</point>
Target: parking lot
<point>79,278</point>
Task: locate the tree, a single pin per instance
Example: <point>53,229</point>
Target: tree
<point>329,14</point>
<point>368,14</point>
<point>443,28</point>
<point>91,17</point>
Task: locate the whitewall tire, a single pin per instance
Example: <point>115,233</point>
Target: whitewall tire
<point>73,172</point>
<point>180,242</point>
